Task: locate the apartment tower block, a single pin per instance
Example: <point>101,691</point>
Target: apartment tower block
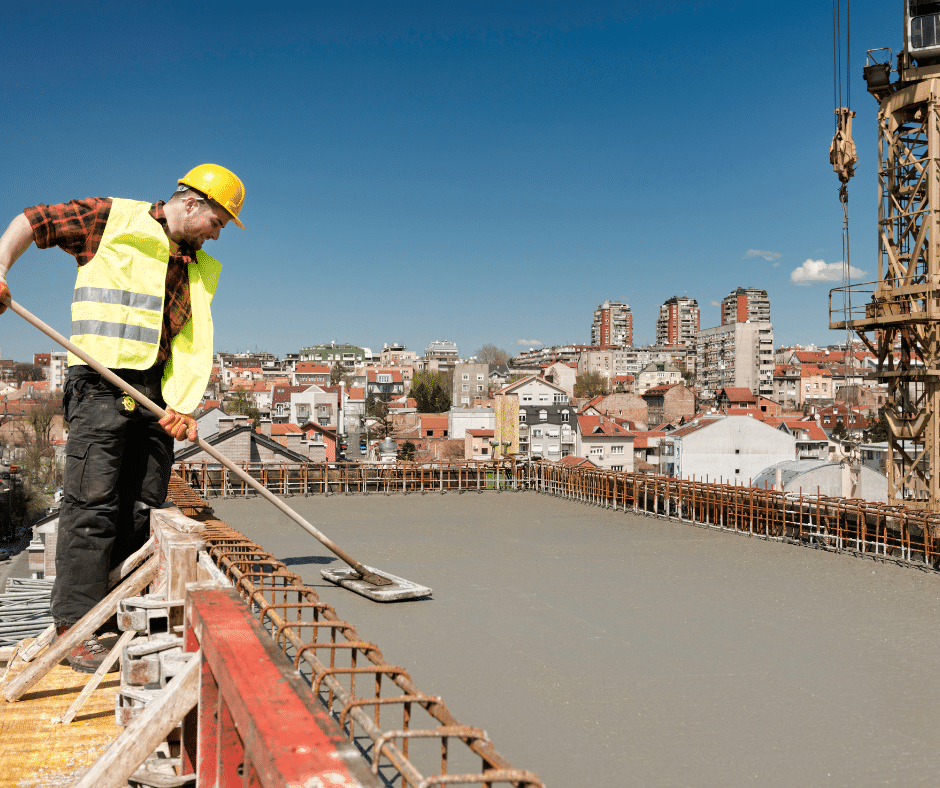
<point>745,304</point>
<point>612,326</point>
<point>679,321</point>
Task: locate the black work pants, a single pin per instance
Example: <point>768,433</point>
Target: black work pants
<point>117,467</point>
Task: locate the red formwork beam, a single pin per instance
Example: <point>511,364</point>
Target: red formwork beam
<point>258,724</point>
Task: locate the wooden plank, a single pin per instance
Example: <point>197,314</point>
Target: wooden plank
<point>95,680</point>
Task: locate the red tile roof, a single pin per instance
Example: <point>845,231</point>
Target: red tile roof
<point>576,462</point>
<point>602,425</point>
<point>284,429</point>
<point>739,395</point>
<point>481,433</point>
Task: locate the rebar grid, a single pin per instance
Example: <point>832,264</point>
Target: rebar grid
<point>850,524</point>
<point>329,654</point>
<point>907,535</point>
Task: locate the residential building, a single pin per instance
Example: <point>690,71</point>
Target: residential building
<point>733,449</point>
<point>605,442</point>
<point>679,321</point>
<point>308,372</point>
<point>668,403</point>
<point>384,384</point>
<point>477,444</point>
<point>318,404</point>
<point>840,413</point>
<point>540,357</point>
<point>812,443</point>
<point>470,381</point>
<point>746,304</point>
<point>658,373</point>
<point>442,350</point>
<point>623,407</point>
<point>350,356</point>
<point>397,355</point>
<point>240,442</point>
<point>612,325</point>
<point>462,419</point>
<point>562,374</point>
<point>545,420</point>
<point>738,355</point>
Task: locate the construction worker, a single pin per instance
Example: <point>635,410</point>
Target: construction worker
<point>142,308</point>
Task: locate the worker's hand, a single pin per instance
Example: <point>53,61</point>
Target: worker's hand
<point>179,425</point>
<point>4,296</point>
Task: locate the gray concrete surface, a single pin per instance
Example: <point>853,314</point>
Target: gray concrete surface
<point>603,649</point>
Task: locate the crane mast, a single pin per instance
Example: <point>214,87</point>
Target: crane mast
<point>898,315</point>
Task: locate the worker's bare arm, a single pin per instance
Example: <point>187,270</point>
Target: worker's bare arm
<point>15,240</point>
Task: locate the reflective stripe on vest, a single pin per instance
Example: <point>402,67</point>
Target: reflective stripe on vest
<point>100,328</point>
<point>104,295</point>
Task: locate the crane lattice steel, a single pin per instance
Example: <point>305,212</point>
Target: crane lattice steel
<point>898,315</point>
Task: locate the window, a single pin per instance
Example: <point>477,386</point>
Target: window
<point>737,470</point>
<point>737,451</point>
<point>526,397</point>
<point>479,377</point>
<point>485,450</point>
<point>543,397</point>
<point>616,467</point>
<point>536,432</point>
<point>616,449</point>
<point>543,415</point>
<point>561,399</point>
<point>465,376</point>
<point>479,388</point>
<point>465,400</point>
<point>564,415</point>
<point>597,450</point>
<point>522,417</point>
<point>465,387</point>
<point>430,433</point>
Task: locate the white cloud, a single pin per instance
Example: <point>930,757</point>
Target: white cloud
<point>768,256</point>
<point>530,342</point>
<point>813,271</point>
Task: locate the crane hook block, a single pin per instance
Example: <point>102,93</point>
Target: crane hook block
<point>842,152</point>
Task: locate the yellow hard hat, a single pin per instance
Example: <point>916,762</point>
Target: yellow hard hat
<point>218,184</point>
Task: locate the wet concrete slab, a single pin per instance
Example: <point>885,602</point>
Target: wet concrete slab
<point>603,648</point>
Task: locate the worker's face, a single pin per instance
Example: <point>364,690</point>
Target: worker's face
<point>203,220</point>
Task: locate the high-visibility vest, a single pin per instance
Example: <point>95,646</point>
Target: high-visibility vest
<point>117,308</point>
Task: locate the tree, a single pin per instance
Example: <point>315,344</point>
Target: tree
<point>590,384</point>
<point>878,431</point>
<point>27,372</point>
<point>339,374</point>
<point>490,354</point>
<point>242,403</point>
<point>378,411</point>
<point>38,471</point>
<point>407,451</point>
<point>431,392</point>
<point>839,432</point>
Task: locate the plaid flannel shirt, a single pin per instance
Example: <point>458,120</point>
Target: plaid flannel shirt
<point>77,227</point>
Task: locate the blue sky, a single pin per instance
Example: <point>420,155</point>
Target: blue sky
<point>484,173</point>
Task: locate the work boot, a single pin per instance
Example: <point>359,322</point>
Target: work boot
<point>88,656</point>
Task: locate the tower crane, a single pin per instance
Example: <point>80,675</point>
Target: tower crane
<point>898,315</point>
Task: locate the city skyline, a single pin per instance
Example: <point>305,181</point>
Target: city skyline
<point>485,175</point>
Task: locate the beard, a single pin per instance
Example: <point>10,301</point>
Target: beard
<point>192,237</point>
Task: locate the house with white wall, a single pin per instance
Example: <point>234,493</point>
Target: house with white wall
<point>733,449</point>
